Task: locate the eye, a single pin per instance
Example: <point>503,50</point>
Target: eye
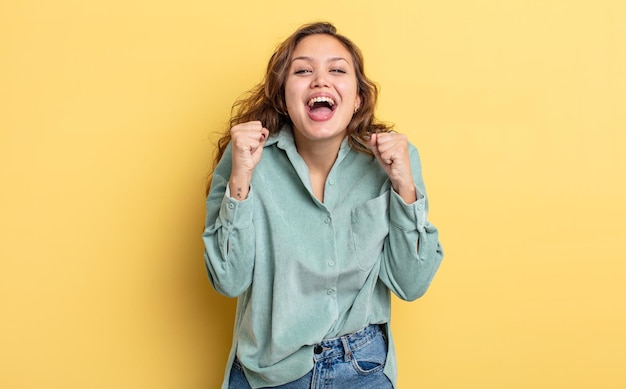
<point>338,70</point>
<point>301,71</point>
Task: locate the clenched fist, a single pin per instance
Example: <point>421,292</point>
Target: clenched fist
<point>392,152</point>
<point>247,141</point>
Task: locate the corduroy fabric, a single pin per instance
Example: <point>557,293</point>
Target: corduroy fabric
<point>304,271</point>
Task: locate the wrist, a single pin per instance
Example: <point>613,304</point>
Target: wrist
<point>406,191</point>
<point>239,186</point>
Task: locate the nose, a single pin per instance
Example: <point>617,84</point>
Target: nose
<point>320,80</point>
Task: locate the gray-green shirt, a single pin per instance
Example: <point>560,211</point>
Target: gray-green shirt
<point>304,271</point>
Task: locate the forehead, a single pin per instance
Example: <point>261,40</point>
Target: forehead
<point>321,46</point>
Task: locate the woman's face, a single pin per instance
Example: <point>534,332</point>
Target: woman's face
<point>321,89</point>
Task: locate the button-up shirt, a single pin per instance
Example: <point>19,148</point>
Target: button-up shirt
<point>305,270</point>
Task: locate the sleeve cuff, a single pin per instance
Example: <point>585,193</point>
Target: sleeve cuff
<point>408,216</point>
<point>236,214</point>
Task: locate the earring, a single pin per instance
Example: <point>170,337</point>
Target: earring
<point>356,109</point>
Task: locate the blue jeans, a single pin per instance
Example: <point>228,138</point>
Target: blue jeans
<point>352,361</point>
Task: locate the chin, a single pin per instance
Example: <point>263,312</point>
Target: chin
<point>317,132</point>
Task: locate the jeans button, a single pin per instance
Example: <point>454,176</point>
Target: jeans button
<point>318,349</point>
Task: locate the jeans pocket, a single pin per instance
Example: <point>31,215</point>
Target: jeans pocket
<point>237,364</point>
<point>370,358</point>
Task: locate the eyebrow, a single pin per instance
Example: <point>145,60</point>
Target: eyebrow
<point>332,59</point>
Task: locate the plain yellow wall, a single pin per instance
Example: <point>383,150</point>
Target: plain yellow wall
<point>107,110</point>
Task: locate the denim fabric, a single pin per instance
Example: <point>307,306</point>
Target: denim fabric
<point>352,361</point>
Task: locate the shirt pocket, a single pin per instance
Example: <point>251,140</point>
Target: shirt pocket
<point>369,228</point>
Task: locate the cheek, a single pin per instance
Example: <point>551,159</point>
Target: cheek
<point>291,95</point>
<point>289,98</point>
<point>349,89</point>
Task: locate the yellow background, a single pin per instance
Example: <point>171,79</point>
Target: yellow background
<point>107,110</point>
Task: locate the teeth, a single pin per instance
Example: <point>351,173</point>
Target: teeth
<point>321,99</point>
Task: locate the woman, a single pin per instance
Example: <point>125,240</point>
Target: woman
<point>315,214</point>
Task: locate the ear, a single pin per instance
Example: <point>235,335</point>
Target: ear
<point>357,103</point>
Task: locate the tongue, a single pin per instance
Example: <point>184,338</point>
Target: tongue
<point>320,113</point>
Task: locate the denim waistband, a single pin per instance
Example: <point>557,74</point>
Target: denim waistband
<point>344,345</point>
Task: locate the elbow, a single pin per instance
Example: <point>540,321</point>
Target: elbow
<point>229,292</point>
<point>225,280</point>
<point>228,288</point>
<point>413,294</point>
<point>417,287</point>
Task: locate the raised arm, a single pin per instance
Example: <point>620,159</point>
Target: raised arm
<point>229,236</point>
<point>412,252</point>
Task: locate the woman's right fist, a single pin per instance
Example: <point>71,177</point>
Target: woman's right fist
<point>247,144</point>
<point>247,141</point>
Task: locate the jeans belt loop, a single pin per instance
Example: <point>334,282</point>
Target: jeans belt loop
<point>347,353</point>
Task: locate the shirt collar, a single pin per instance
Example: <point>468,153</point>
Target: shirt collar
<point>284,140</point>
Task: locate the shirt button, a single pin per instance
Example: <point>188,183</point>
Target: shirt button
<point>329,292</point>
<point>331,182</point>
<point>331,263</point>
<point>420,206</point>
<point>327,220</point>
<point>231,205</point>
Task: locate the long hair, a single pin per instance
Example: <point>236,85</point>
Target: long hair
<point>266,101</point>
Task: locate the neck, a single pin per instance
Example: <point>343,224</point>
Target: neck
<point>319,155</point>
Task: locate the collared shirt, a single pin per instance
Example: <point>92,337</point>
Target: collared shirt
<point>303,270</point>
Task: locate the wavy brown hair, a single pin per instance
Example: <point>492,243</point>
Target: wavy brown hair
<point>266,101</point>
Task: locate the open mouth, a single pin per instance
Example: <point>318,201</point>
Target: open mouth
<point>321,108</point>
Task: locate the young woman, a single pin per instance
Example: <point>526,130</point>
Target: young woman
<point>315,214</point>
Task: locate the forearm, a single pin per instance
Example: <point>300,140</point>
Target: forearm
<point>239,186</point>
<point>229,237</point>
<point>406,191</point>
<point>229,241</point>
<point>406,271</point>
<point>411,252</point>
